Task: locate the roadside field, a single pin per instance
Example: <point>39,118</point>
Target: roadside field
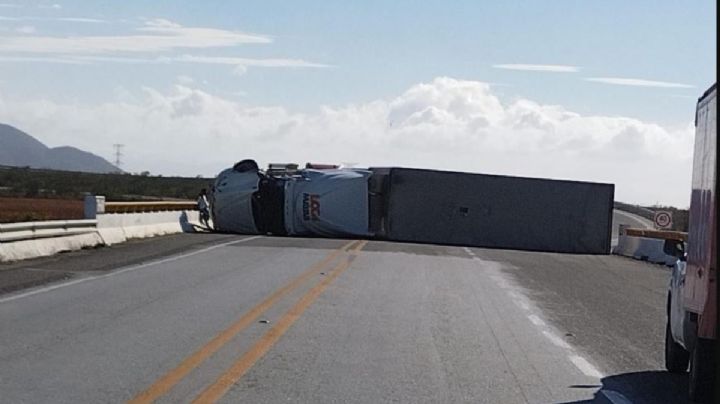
<point>32,209</point>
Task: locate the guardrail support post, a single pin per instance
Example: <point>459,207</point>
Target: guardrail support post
<point>94,205</point>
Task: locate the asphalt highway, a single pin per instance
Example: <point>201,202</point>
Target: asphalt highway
<point>228,319</point>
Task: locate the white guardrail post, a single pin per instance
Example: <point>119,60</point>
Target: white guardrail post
<point>94,205</point>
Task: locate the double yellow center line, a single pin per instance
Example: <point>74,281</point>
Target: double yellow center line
<point>216,390</point>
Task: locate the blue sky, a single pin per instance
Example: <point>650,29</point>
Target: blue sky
<point>645,61</point>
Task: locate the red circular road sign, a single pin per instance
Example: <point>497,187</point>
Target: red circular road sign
<point>663,220</point>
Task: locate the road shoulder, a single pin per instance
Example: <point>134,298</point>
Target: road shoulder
<point>21,275</point>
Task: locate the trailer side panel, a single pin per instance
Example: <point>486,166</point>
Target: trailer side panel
<point>699,291</point>
<point>498,211</point>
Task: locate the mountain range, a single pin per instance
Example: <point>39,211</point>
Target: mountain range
<point>19,149</point>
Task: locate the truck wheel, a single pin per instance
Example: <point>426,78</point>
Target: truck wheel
<point>702,369</point>
<point>676,357</point>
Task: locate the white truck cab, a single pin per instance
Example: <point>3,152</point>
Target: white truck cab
<point>284,200</point>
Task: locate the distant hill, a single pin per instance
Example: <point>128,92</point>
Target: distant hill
<point>19,149</point>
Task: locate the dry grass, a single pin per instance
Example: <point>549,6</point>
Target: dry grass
<point>32,209</point>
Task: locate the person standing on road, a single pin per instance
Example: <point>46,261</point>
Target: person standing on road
<point>204,207</point>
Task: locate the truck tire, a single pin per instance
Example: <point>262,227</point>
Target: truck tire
<point>676,357</point>
<point>702,371</point>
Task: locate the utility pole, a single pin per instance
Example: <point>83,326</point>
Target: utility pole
<point>118,154</point>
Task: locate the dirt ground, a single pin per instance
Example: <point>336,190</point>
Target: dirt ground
<point>31,209</point>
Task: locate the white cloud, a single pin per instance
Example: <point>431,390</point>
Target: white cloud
<point>26,29</point>
<point>161,23</point>
<point>62,19</point>
<point>539,68</point>
<point>42,59</point>
<point>240,64</point>
<point>248,62</point>
<point>50,6</point>
<point>185,80</point>
<point>8,5</point>
<point>122,59</point>
<point>239,70</point>
<point>155,36</point>
<point>637,82</point>
<point>443,124</point>
<point>82,19</point>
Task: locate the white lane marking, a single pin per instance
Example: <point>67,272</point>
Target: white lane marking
<point>517,296</point>
<point>536,320</point>
<point>580,363</point>
<point>504,284</point>
<point>615,397</point>
<point>121,271</point>
<point>585,366</point>
<point>556,340</point>
<point>522,305</point>
<point>469,251</point>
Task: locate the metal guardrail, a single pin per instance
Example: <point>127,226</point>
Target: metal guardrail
<point>139,207</point>
<point>53,228</point>
<point>58,228</point>
<point>658,234</point>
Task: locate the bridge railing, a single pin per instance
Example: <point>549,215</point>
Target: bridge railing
<point>53,228</point>
<point>97,205</point>
<point>658,234</point>
<point>59,228</point>
<point>141,207</point>
<point>105,223</point>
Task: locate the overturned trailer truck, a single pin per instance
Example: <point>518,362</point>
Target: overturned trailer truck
<point>414,205</point>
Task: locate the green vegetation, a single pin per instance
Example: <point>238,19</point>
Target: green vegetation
<point>28,182</point>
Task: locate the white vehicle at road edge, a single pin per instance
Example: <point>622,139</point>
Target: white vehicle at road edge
<point>691,303</point>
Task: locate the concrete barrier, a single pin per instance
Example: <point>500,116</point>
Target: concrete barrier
<point>42,247</point>
<point>646,248</point>
<point>119,227</point>
<point>31,240</point>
